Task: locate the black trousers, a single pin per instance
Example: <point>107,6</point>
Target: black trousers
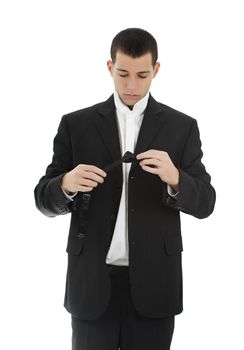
<point>121,326</point>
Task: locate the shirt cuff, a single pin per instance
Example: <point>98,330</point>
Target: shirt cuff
<point>172,192</point>
<point>69,196</point>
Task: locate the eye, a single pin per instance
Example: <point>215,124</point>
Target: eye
<point>123,76</point>
<point>143,77</point>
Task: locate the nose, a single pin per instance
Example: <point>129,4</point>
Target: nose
<point>131,84</point>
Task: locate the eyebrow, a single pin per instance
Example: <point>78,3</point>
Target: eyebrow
<point>126,71</point>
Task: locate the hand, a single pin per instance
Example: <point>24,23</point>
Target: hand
<point>83,178</point>
<point>159,163</point>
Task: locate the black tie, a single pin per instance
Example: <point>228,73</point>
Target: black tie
<point>128,157</point>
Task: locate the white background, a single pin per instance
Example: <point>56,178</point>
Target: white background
<point>53,61</point>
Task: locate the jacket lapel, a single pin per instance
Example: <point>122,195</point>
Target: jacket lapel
<point>107,127</point>
<point>152,122</point>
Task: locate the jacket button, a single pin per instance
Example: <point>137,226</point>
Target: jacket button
<point>80,235</point>
<point>113,217</point>
<point>132,177</point>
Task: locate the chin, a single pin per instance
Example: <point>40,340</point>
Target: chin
<point>131,102</point>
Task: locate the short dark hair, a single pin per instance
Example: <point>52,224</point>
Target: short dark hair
<point>134,42</point>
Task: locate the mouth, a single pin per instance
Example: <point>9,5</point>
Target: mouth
<point>131,97</point>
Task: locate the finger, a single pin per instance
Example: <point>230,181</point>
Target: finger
<point>143,155</point>
<point>84,188</point>
<point>152,153</point>
<point>150,169</point>
<point>88,182</point>
<point>151,161</point>
<point>92,176</point>
<point>96,170</point>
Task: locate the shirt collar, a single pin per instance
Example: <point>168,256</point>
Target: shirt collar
<point>138,108</point>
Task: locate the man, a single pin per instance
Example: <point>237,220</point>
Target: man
<point>125,168</point>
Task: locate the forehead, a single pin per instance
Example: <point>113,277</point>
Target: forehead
<point>137,64</point>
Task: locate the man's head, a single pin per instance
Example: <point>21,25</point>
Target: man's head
<point>133,64</point>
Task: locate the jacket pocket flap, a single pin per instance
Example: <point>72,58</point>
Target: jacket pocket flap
<point>75,245</point>
<point>173,244</point>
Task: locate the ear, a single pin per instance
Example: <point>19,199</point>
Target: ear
<point>156,69</point>
<point>110,66</point>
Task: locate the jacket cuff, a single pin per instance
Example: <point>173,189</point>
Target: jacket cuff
<point>55,192</point>
<point>186,183</point>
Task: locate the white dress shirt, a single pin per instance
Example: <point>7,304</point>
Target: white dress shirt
<point>129,123</point>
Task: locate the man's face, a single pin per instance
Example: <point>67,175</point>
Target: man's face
<point>132,76</point>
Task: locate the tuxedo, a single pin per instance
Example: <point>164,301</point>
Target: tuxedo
<point>90,136</point>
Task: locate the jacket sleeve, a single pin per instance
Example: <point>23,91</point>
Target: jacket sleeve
<point>49,196</point>
<point>196,194</point>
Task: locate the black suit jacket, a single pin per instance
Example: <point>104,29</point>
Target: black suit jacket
<point>90,136</point>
